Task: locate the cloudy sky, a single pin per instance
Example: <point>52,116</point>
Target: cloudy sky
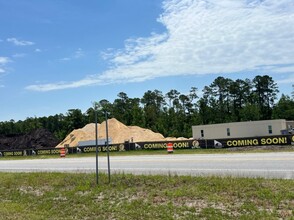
<point>57,55</point>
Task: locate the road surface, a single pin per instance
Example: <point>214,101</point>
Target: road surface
<point>267,165</point>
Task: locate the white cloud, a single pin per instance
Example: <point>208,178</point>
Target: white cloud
<point>19,55</point>
<point>288,80</point>
<point>204,37</point>
<point>285,69</point>
<point>79,53</point>
<point>17,42</point>
<point>64,85</point>
<point>64,59</point>
<point>3,62</point>
<point>38,50</point>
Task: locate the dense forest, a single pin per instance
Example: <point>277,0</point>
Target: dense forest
<point>173,113</point>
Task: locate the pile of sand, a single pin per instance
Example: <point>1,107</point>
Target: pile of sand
<point>117,131</point>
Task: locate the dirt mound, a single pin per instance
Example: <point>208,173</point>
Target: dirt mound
<point>40,138</point>
<point>82,134</point>
<point>117,132</point>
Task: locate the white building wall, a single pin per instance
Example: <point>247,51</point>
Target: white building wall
<point>240,129</point>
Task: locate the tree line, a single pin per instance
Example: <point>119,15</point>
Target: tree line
<point>174,113</point>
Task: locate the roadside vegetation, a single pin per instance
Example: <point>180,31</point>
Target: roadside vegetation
<point>76,196</point>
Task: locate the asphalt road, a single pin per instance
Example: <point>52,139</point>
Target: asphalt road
<point>267,165</point>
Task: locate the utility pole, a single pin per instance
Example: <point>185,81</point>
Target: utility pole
<point>96,140</point>
<point>107,146</point>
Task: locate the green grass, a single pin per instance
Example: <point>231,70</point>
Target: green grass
<point>76,196</point>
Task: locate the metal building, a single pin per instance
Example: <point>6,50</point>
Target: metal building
<point>243,129</point>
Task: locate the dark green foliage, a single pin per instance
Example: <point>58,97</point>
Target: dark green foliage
<point>265,94</point>
<point>173,113</point>
<point>284,108</point>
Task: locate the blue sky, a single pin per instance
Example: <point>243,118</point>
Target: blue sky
<point>57,55</point>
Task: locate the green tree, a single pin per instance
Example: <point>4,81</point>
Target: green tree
<point>217,97</point>
<point>90,115</point>
<point>250,112</point>
<point>184,101</point>
<point>153,102</point>
<point>206,112</point>
<point>121,109</point>
<point>172,96</point>
<point>192,104</point>
<point>265,91</point>
<point>74,119</point>
<point>284,109</point>
<point>31,124</point>
<point>240,92</point>
<point>57,124</point>
<point>137,112</point>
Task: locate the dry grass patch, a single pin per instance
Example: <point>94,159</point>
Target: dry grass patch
<point>76,196</point>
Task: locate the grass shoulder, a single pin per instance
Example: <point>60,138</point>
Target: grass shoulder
<point>76,196</point>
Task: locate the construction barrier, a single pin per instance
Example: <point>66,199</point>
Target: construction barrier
<point>192,144</point>
<point>62,152</point>
<point>170,148</point>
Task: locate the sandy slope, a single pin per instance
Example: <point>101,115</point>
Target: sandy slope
<point>117,131</point>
